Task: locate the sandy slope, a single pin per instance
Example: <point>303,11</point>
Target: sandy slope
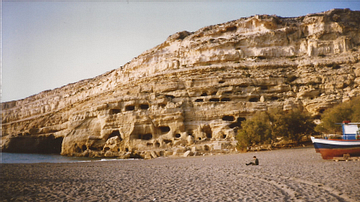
<point>283,175</point>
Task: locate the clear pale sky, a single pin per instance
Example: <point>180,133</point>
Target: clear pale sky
<point>48,44</point>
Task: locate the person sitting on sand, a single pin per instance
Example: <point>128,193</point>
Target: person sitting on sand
<point>255,162</point>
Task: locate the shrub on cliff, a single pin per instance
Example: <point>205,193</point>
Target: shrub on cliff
<point>265,127</point>
<point>348,111</point>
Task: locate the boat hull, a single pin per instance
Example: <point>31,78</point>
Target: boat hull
<point>336,148</point>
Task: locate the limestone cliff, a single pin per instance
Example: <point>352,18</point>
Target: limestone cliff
<point>188,95</point>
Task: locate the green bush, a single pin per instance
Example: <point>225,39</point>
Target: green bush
<point>256,130</point>
<point>265,127</point>
<point>348,111</point>
<point>292,125</point>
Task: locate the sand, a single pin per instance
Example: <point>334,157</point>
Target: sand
<point>283,175</point>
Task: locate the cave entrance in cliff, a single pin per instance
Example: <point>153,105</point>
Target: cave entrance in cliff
<point>207,130</point>
<point>237,123</point>
<point>228,118</point>
<point>254,99</point>
<point>164,129</point>
<point>115,133</point>
<point>50,145</point>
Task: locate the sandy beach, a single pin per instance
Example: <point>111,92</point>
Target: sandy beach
<point>283,175</point>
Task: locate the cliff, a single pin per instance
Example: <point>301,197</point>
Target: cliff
<point>188,95</point>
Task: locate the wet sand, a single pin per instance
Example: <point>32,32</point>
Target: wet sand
<point>283,175</point>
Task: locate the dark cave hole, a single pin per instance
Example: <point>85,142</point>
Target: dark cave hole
<point>254,99</point>
<point>164,129</point>
<point>115,111</point>
<point>228,118</point>
<point>114,134</point>
<point>170,96</point>
<point>146,136</point>
<point>43,145</point>
<point>144,106</point>
<point>237,123</point>
<point>168,141</point>
<point>130,108</point>
<point>264,87</point>
<point>83,148</point>
<point>214,100</point>
<point>225,99</point>
<point>206,148</point>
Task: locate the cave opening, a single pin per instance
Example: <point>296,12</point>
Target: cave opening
<point>237,123</point>
<point>167,141</point>
<point>214,100</point>
<point>264,87</point>
<point>115,111</point>
<point>207,130</point>
<point>84,147</point>
<point>41,145</point>
<point>254,99</point>
<point>144,106</point>
<point>199,100</point>
<point>177,135</point>
<point>164,129</point>
<point>225,99</point>
<point>206,148</point>
<point>147,136</point>
<point>114,134</point>
<point>130,108</point>
<point>170,96</point>
<point>204,94</point>
<point>93,148</point>
<point>228,118</point>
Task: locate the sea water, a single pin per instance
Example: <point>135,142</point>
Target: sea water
<point>46,158</point>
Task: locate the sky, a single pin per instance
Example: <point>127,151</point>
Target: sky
<point>48,44</point>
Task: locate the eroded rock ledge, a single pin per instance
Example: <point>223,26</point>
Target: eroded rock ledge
<point>189,95</point>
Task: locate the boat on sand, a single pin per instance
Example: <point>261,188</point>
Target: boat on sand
<point>346,145</point>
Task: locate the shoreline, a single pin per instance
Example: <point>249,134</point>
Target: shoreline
<point>74,159</point>
<point>283,175</point>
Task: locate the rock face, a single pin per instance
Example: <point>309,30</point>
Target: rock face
<point>189,95</point>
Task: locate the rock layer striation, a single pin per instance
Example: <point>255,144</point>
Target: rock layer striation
<point>189,95</point>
